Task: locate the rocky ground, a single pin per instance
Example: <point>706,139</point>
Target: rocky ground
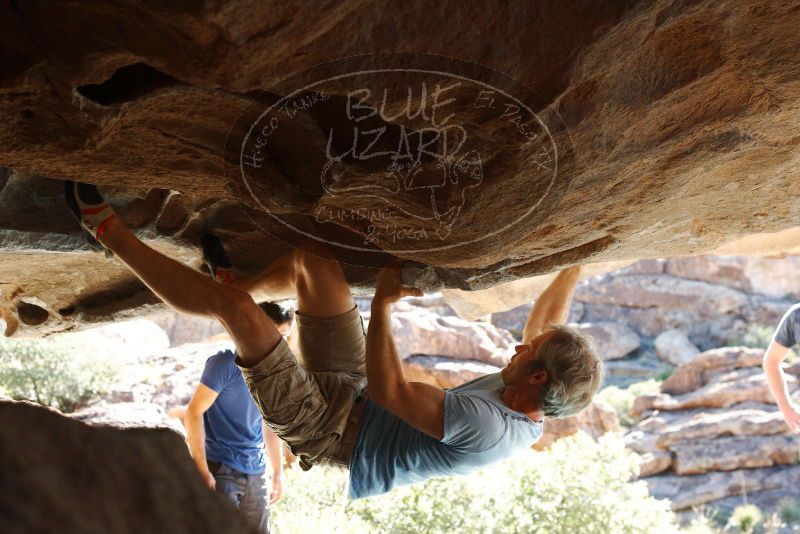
<point>713,436</point>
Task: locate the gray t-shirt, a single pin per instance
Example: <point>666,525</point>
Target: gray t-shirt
<point>478,429</point>
<point>788,332</point>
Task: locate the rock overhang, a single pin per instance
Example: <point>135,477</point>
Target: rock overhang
<point>680,136</point>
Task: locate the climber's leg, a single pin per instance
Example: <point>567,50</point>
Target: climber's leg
<point>311,274</point>
<point>189,291</point>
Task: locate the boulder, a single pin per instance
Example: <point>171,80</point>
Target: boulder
<point>750,386</point>
<point>685,492</point>
<point>595,420</point>
<point>612,340</point>
<point>168,378</point>
<point>514,319</point>
<point>444,372</point>
<point>699,424</point>
<point>694,374</point>
<point>417,331</point>
<point>732,453</point>
<point>124,341</point>
<point>662,292</point>
<point>79,478</point>
<point>674,346</point>
<point>515,297</point>
<point>653,463</point>
<point>153,118</point>
<point>182,329</point>
<point>719,270</point>
<point>646,266</point>
<point>774,277</point>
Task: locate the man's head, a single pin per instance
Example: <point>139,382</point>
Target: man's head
<point>558,372</point>
<point>280,315</point>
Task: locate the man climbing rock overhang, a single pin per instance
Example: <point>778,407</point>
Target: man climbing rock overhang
<point>400,432</point>
<point>786,336</point>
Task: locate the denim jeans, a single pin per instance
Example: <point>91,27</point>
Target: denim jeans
<point>248,493</point>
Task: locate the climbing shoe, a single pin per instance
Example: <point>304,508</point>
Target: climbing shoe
<point>217,260</point>
<point>91,210</point>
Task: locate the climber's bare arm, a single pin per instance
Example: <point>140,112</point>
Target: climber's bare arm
<point>420,405</point>
<point>552,306</point>
<point>776,380</point>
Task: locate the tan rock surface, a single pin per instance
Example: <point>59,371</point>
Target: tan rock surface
<point>86,478</point>
<point>596,420</point>
<point>729,454</point>
<point>695,374</point>
<point>612,340</point>
<point>717,435</point>
<point>444,372</point>
<point>652,105</point>
<point>687,491</point>
<point>673,428</point>
<point>653,463</point>
<point>751,386</point>
<point>417,331</point>
<point>675,347</point>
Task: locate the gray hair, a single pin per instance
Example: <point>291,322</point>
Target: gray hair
<point>574,371</point>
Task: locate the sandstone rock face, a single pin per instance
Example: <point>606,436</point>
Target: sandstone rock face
<point>687,491</point>
<point>419,331</point>
<point>696,373</point>
<point>710,311</point>
<point>653,463</point>
<point>444,372</point>
<point>89,478</point>
<point>674,347</point>
<point>595,420</point>
<point>714,432</point>
<point>144,104</point>
<point>729,454</point>
<point>612,340</point>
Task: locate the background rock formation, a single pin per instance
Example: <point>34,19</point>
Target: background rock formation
<point>713,434</point>
<point>101,479</point>
<point>679,118</point>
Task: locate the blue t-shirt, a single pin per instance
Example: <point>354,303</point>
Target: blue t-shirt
<point>233,423</point>
<point>788,332</point>
<point>479,429</point>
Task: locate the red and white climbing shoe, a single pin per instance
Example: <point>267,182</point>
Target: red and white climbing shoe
<point>90,208</point>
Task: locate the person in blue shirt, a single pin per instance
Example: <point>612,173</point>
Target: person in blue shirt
<point>395,432</point>
<point>227,438</point>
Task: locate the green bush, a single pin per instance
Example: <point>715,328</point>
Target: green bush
<point>622,399</point>
<point>790,510</point>
<point>578,486</point>
<point>53,373</point>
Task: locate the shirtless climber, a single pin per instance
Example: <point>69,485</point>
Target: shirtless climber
<point>398,432</point>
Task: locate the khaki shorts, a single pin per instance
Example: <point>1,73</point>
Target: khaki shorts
<point>306,400</point>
